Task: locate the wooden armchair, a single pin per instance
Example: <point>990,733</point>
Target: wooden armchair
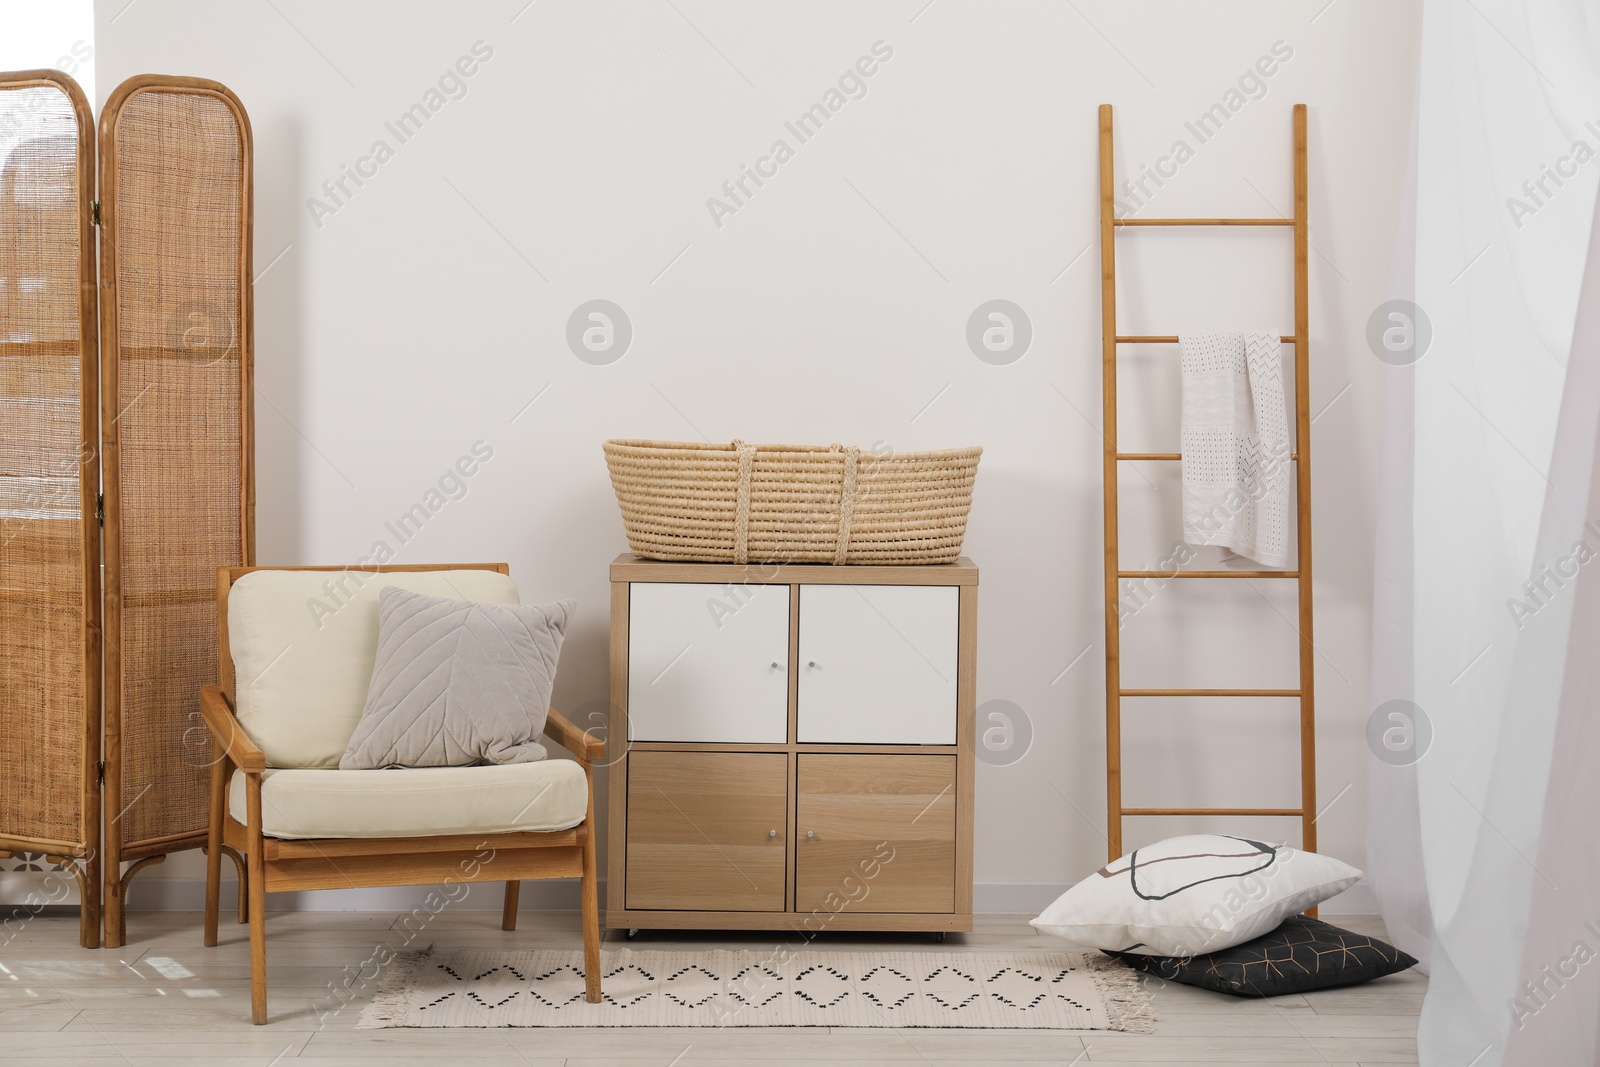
<point>297,648</point>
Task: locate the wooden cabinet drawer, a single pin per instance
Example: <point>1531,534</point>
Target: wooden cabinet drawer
<point>876,831</point>
<point>708,663</point>
<point>707,831</point>
<point>878,664</point>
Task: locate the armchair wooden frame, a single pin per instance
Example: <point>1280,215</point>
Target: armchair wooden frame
<point>274,865</point>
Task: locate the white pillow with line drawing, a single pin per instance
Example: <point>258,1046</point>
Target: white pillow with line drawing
<point>1189,895</point>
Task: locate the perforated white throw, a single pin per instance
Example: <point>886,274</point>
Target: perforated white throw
<point>1189,895</point>
<point>1235,445</point>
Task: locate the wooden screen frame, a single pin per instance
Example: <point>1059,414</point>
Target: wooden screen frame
<point>118,850</point>
<point>88,847</point>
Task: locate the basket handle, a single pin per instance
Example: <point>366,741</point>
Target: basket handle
<point>741,512</point>
<point>847,503</point>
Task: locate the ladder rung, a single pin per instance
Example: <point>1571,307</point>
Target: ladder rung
<point>1208,692</point>
<point>1296,812</point>
<point>1202,222</point>
<point>1172,338</point>
<point>1208,574</point>
<point>1140,456</point>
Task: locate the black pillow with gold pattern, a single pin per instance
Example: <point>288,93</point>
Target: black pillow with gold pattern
<point>1302,955</point>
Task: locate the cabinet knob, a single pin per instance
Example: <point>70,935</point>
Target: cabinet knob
<point>811,833</point>
<point>812,664</point>
<point>772,833</point>
<point>777,666</point>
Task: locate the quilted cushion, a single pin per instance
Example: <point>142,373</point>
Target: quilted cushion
<point>303,645</point>
<point>457,683</point>
<point>552,794</point>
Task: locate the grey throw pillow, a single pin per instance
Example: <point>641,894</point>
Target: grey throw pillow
<point>457,682</point>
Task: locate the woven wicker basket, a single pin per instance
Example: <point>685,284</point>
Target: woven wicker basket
<point>792,503</point>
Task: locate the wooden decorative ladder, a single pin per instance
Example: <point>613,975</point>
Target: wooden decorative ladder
<point>1110,339</point>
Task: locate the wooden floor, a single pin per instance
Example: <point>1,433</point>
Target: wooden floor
<point>165,999</point>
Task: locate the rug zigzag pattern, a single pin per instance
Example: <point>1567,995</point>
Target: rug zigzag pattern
<point>769,987</point>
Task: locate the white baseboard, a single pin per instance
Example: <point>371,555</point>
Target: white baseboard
<point>189,894</point>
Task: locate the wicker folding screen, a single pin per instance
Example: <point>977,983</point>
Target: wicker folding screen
<point>140,390</point>
<point>49,480</point>
<point>178,468</point>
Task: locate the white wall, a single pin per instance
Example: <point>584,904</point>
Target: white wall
<point>431,308</point>
<point>59,34</point>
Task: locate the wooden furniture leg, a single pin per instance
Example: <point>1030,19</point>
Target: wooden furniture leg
<point>244,887</point>
<point>119,927</point>
<point>214,843</point>
<point>591,908</point>
<point>258,903</point>
<point>244,881</point>
<point>89,889</point>
<point>116,920</point>
<point>88,916</point>
<point>508,915</point>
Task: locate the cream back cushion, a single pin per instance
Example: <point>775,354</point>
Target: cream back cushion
<point>303,645</point>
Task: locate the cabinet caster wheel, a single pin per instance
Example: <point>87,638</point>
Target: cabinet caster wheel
<point>938,938</point>
<point>632,933</point>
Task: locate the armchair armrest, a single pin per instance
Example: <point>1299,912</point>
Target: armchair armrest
<point>578,742</point>
<point>228,733</point>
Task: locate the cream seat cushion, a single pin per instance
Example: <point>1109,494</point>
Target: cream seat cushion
<point>551,794</point>
<point>303,645</point>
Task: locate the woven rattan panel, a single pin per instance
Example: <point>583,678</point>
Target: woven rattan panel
<point>45,697</point>
<point>178,224</point>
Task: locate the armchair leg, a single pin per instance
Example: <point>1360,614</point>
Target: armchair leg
<point>258,904</point>
<point>591,916</point>
<point>244,894</point>
<point>214,844</point>
<point>242,869</point>
<point>508,915</point>
<point>258,941</point>
<point>213,891</point>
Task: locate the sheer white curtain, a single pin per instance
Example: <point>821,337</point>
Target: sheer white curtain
<point>1483,850</point>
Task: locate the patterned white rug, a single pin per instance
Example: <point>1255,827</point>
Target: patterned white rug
<point>772,987</point>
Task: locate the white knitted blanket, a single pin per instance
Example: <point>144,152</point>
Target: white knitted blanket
<point>1235,444</point>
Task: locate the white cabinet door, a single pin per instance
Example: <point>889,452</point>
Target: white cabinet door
<point>708,663</point>
<point>878,664</point>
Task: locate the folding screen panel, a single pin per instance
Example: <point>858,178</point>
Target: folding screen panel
<point>49,480</point>
<point>177,435</point>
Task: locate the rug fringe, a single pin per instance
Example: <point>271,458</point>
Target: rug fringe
<point>388,1007</point>
<point>1129,1006</point>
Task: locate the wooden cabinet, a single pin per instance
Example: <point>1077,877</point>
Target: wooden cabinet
<point>793,746</point>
